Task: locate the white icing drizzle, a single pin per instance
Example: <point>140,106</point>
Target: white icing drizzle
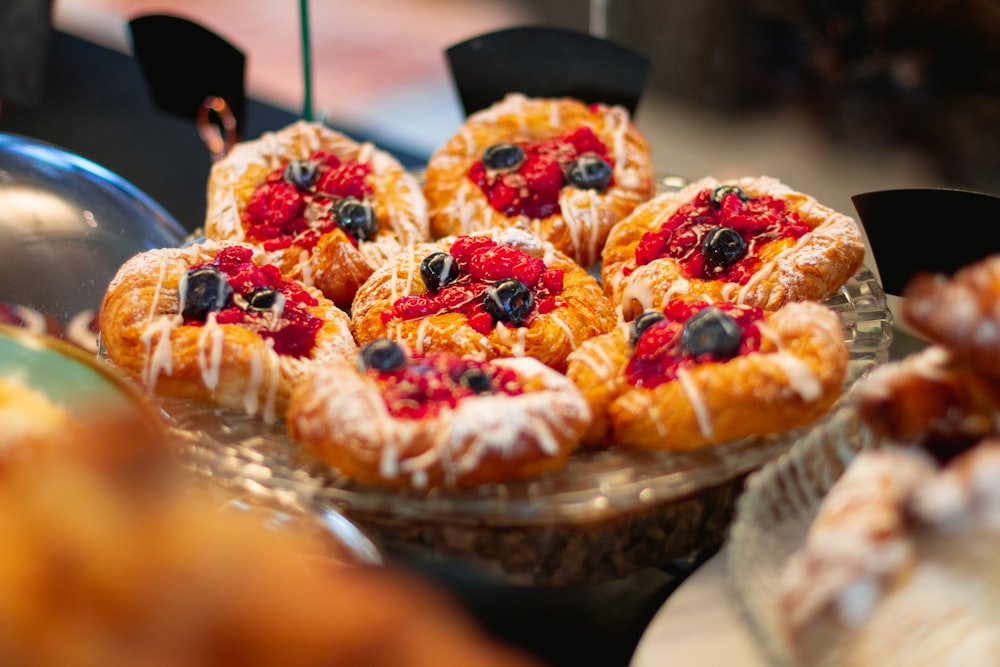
<point>579,209</point>
<point>764,271</point>
<point>210,340</point>
<point>697,403</point>
<point>637,288</point>
<point>421,333</point>
<point>304,267</point>
<point>159,353</point>
<point>566,328</point>
<point>515,339</point>
<point>800,376</point>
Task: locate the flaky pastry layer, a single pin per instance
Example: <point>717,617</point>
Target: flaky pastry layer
<point>549,337</point>
<point>792,380</point>
<point>336,265</point>
<point>340,414</point>
<point>143,333</point>
<point>579,229</point>
<point>813,268</point>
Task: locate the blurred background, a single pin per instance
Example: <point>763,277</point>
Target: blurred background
<point>835,98</point>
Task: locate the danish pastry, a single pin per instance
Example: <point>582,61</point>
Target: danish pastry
<point>493,294</point>
<point>695,374</point>
<point>959,311</point>
<point>26,317</point>
<point>212,321</point>
<point>400,418</point>
<point>898,567</point>
<point>752,240</point>
<point>558,168</point>
<point>327,209</point>
<point>933,399</point>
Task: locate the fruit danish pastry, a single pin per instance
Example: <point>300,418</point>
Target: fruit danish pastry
<point>899,565</point>
<point>556,167</point>
<point>752,240</point>
<point>327,209</point>
<point>494,294</point>
<point>401,418</point>
<point>212,321</point>
<point>960,311</point>
<point>695,374</point>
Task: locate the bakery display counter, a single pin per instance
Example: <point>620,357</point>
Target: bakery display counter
<point>571,565</point>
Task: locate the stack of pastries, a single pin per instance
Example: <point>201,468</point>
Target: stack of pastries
<point>534,296</point>
<point>898,567</point>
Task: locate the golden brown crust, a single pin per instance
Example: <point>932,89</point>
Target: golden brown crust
<point>812,269</point>
<point>960,312</point>
<point>550,337</point>
<point>340,414</point>
<point>930,397</point>
<point>336,265</point>
<point>143,334</point>
<point>794,378</point>
<point>457,206</point>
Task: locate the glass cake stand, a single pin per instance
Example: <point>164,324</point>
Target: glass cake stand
<point>606,516</point>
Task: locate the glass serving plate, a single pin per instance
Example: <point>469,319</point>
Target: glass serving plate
<point>774,515</point>
<point>605,516</point>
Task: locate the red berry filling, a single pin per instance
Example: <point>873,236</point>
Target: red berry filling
<point>660,353</point>
<point>430,383</point>
<point>481,262</point>
<point>293,329</point>
<point>758,221</point>
<point>281,214</point>
<point>533,188</point>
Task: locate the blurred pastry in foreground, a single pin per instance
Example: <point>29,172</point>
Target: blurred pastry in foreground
<point>59,403</point>
<point>899,566</point>
<point>556,167</point>
<point>960,311</point>
<point>753,241</point>
<point>28,318</point>
<point>399,418</point>
<point>214,322</point>
<point>327,209</point>
<point>931,399</point>
<point>694,374</point>
<point>499,293</point>
<point>93,576</point>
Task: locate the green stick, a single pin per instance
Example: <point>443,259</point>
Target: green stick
<point>307,104</point>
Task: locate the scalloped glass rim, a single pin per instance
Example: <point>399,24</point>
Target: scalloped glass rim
<point>594,485</point>
<point>774,514</point>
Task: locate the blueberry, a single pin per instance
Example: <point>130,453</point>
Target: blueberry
<point>509,300</point>
<point>356,218</point>
<point>265,299</point>
<point>723,246</point>
<point>711,331</point>
<point>645,320</point>
<point>437,270</point>
<point>303,174</point>
<point>503,157</point>
<point>383,355</point>
<point>476,380</point>
<point>589,172</point>
<point>723,190</point>
<point>207,290</point>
